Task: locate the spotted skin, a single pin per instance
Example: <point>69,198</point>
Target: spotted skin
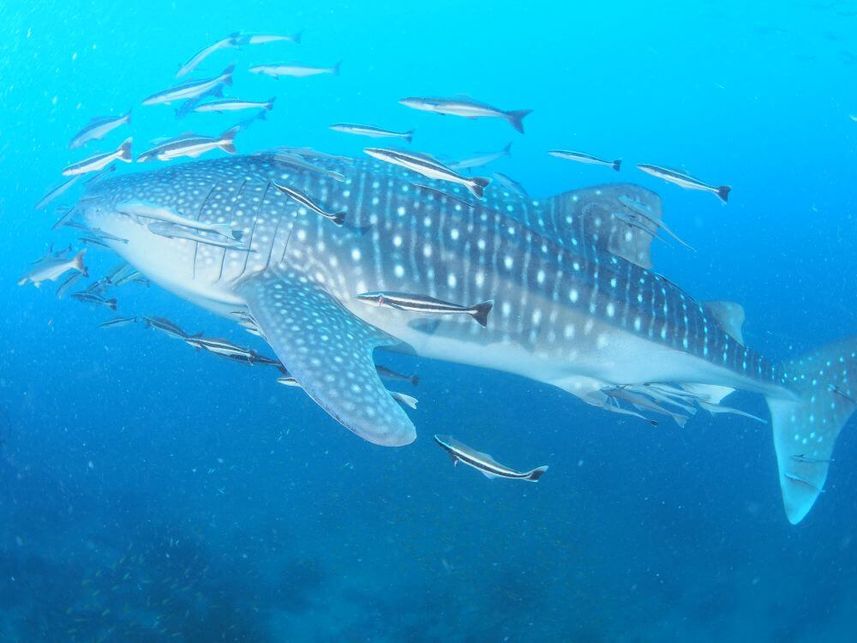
<point>576,303</point>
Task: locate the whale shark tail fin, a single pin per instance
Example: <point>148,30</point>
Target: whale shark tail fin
<point>806,427</point>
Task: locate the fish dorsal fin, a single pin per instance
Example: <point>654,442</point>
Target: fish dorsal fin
<point>729,315</point>
<point>619,219</point>
<point>329,352</point>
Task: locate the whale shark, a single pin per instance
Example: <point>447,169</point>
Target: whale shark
<point>576,302</point>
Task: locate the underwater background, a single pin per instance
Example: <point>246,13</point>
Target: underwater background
<point>149,492</point>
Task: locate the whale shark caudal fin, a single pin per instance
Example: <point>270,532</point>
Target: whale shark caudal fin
<point>806,429</point>
<point>329,352</point>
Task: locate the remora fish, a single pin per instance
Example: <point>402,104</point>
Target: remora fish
<point>230,42</point>
<point>140,210</point>
<point>52,267</point>
<point>58,191</point>
<point>482,159</point>
<point>427,305</point>
<point>172,231</point>
<point>337,217</point>
<point>191,146</point>
<point>429,168</point>
<point>92,298</point>
<point>98,128</point>
<point>165,326</point>
<point>583,157</point>
<point>390,374</point>
<point>684,180</point>
<point>467,108</point>
<point>370,131</point>
<point>100,161</point>
<point>118,322</point>
<point>190,89</point>
<point>233,105</point>
<point>295,71</point>
<point>577,303</point>
<point>484,463</point>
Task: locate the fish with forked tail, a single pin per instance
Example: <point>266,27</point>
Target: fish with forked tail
<point>484,463</point>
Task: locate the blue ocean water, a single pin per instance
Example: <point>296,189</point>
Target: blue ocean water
<point>153,493</point>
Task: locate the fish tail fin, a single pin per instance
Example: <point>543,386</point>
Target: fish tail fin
<point>270,104</point>
<point>336,68</point>
<point>128,117</point>
<point>507,151</point>
<point>535,474</point>
<point>480,312</point>
<point>78,263</point>
<point>111,303</point>
<point>415,380</point>
<point>409,135</point>
<point>125,151</point>
<point>516,118</point>
<point>617,164</point>
<point>227,140</point>
<point>297,37</point>
<point>723,192</point>
<point>477,185</point>
<point>338,217</point>
<point>227,74</point>
<point>806,425</point>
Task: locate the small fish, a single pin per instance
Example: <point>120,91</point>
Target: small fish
<point>390,374</point>
<point>337,217</point>
<point>427,305</point>
<point>440,194</point>
<point>483,159</point>
<point>91,298</point>
<point>58,191</point>
<point>802,457</point>
<point>583,157</point>
<point>98,128</point>
<point>52,267</point>
<point>118,322</point>
<point>188,106</point>
<point>467,108</point>
<point>165,326</point>
<point>138,210</point>
<point>106,236</point>
<point>684,180</point>
<point>191,146</point>
<point>288,380</point>
<point>190,89</point>
<point>642,210</point>
<point>408,400</point>
<point>221,347</point>
<point>834,389</point>
<point>93,241</point>
<point>230,42</point>
<point>645,404</point>
<point>100,161</point>
<point>483,462</point>
<point>171,231</point>
<point>372,132</point>
<point>68,283</point>
<point>715,409</point>
<point>263,39</point>
<point>803,481</point>
<point>295,71</point>
<point>233,105</point>
<point>511,184</point>
<point>133,275</point>
<point>296,161</point>
<point>429,168</point>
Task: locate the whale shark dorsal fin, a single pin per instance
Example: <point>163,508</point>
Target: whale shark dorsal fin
<point>729,315</point>
<point>620,219</point>
<point>329,352</point>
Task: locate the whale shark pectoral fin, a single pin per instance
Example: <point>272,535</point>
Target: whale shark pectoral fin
<point>329,352</point>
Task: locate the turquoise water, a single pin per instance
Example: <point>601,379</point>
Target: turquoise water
<point>153,493</point>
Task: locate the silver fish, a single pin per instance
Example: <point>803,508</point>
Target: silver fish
<point>370,131</point>
<point>98,128</point>
<point>295,160</point>
<point>68,283</point>
<point>138,210</point>
<point>191,146</point>
<point>190,89</point>
<point>482,159</point>
<point>263,39</point>
<point>100,161</point>
<point>390,374</point>
<point>118,322</point>
<point>428,167</point>
<point>295,71</point>
<point>583,157</point>
<point>165,326</point>
<point>234,105</point>
<point>337,217</point>
<point>484,463</point>
<point>640,209</point>
<point>97,300</point>
<point>191,103</point>
<point>230,42</point>
<point>427,305</point>
<point>511,185</point>
<point>58,191</point>
<point>467,108</point>
<point>684,180</point>
<point>173,231</point>
<point>52,267</point>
